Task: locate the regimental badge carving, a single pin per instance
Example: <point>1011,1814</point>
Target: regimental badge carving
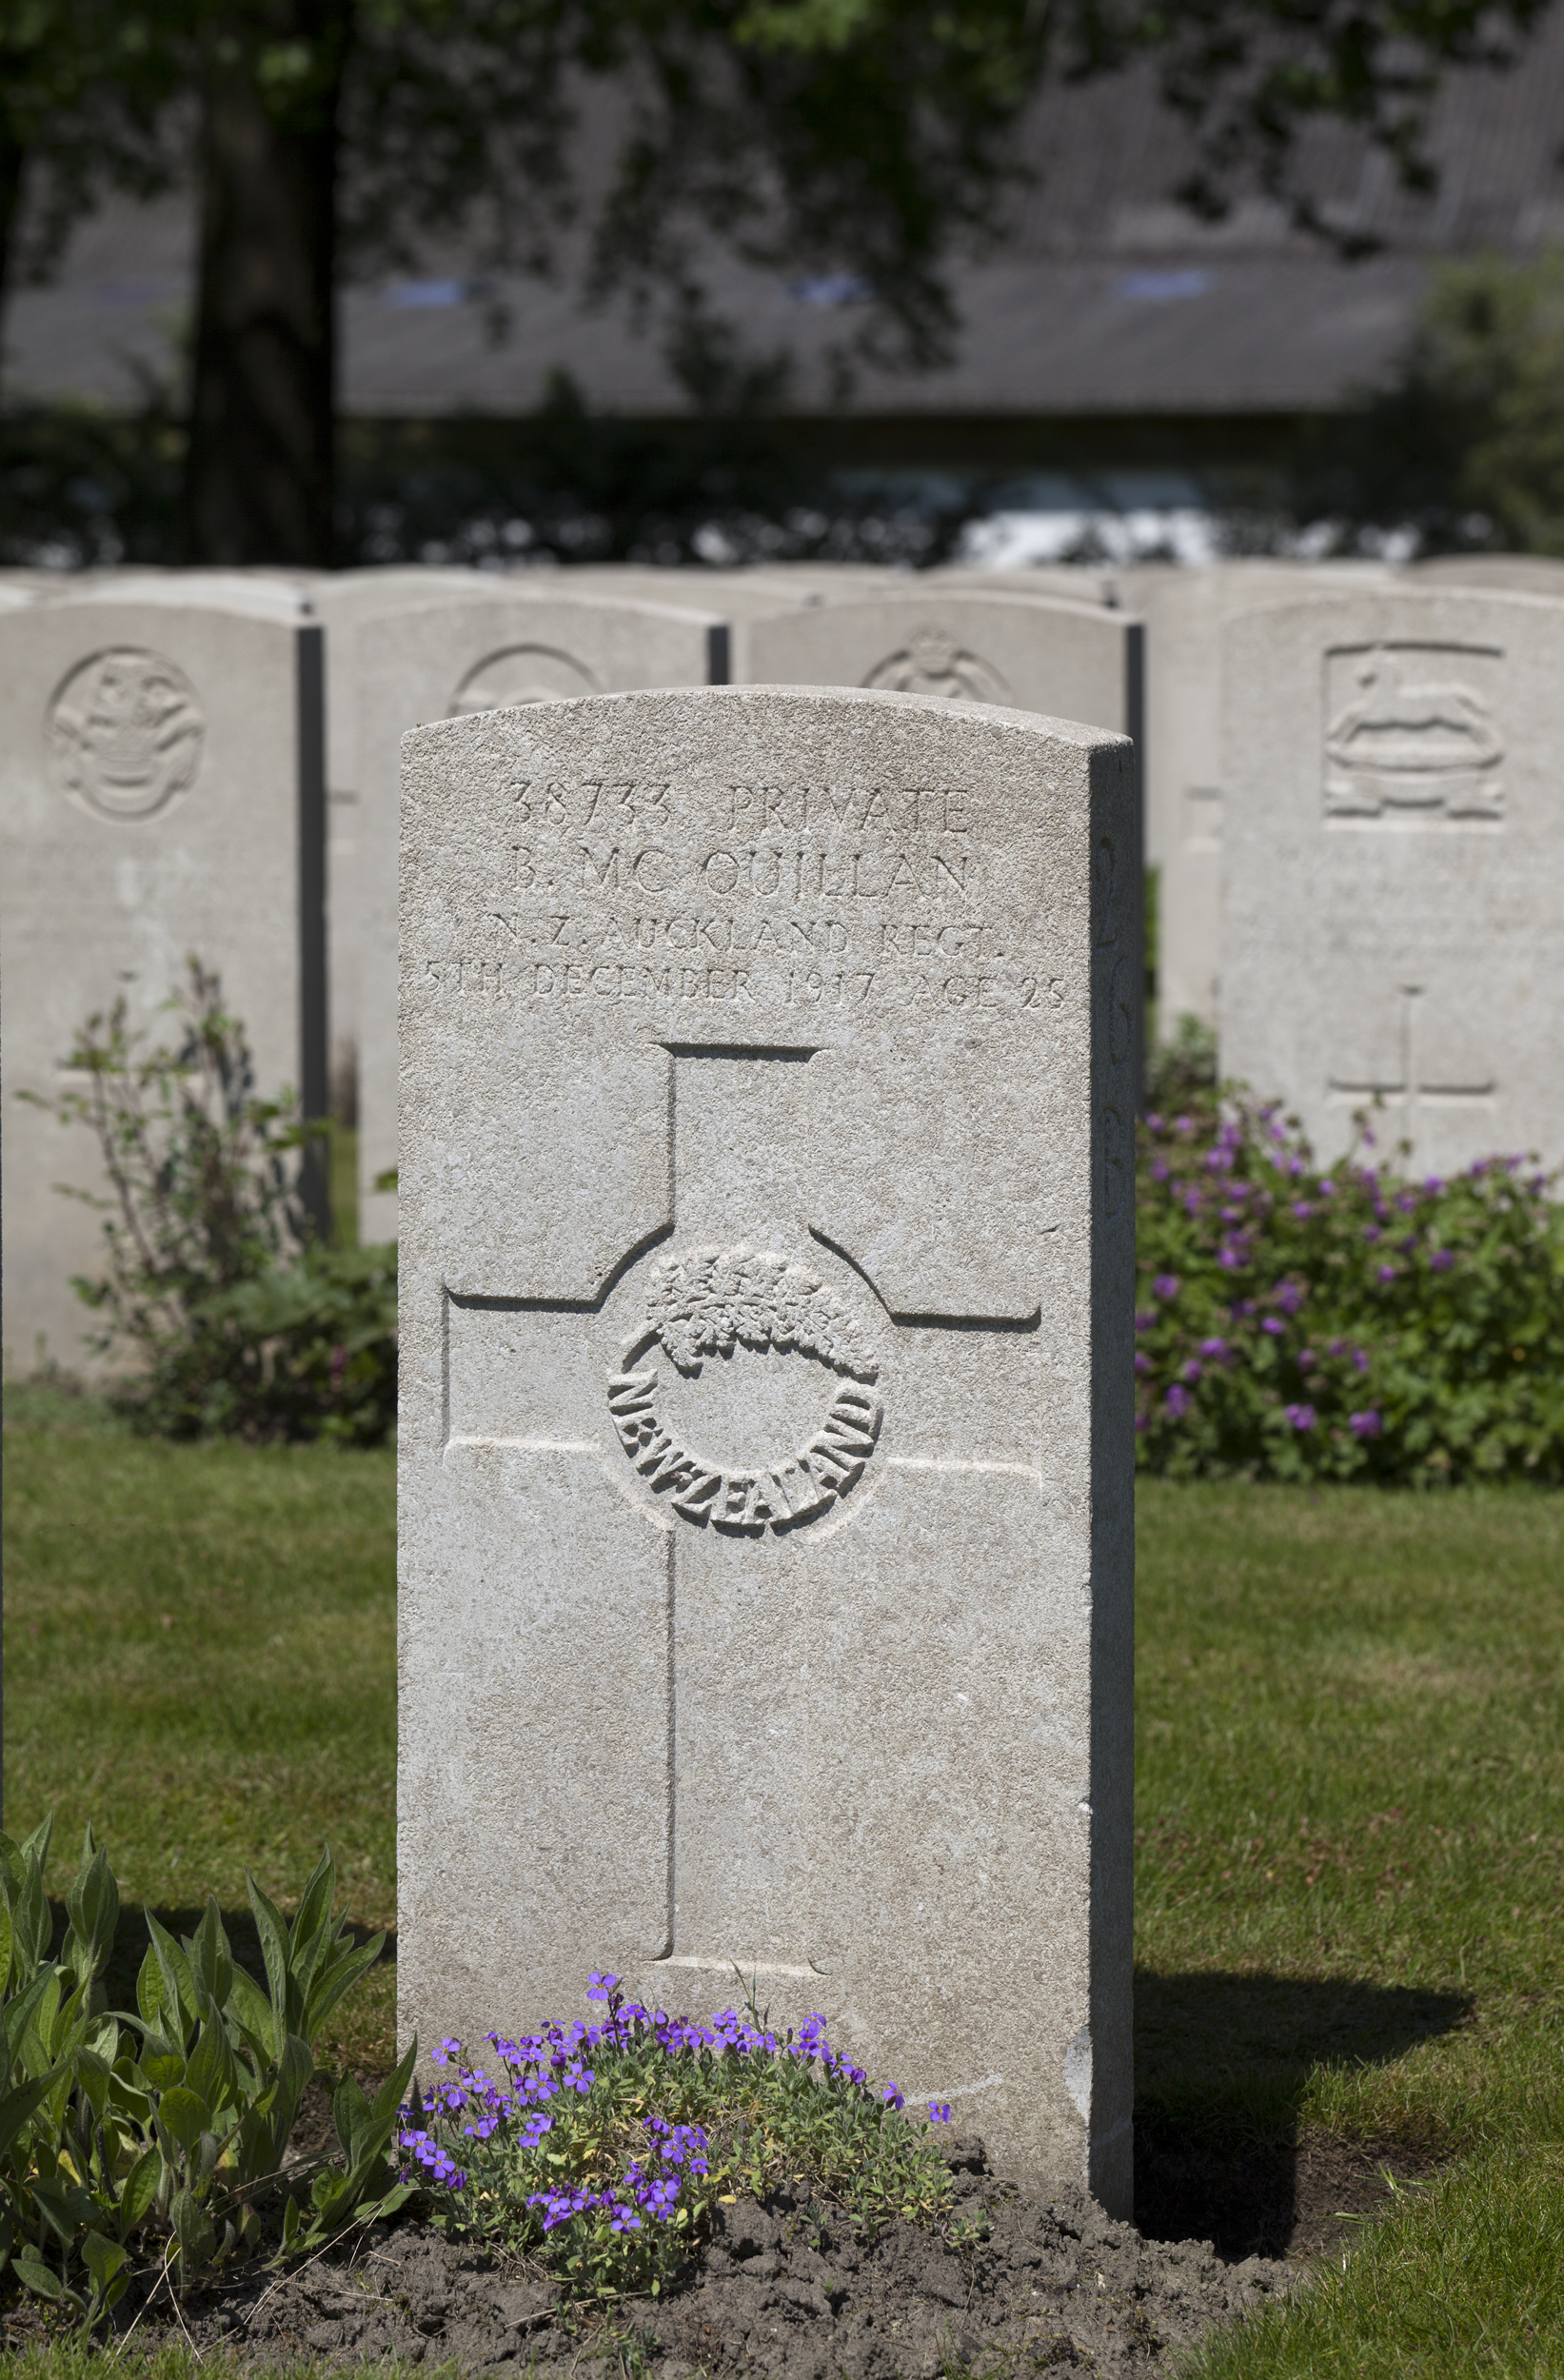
<point>522,673</point>
<point>1411,735</point>
<point>125,733</point>
<point>715,1305</point>
<point>931,661</point>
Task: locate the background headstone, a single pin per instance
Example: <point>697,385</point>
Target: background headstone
<point>459,652</point>
<point>161,794</point>
<point>1391,919</point>
<point>1186,611</point>
<point>956,641</point>
<point>766,1454</point>
<point>1522,574</point>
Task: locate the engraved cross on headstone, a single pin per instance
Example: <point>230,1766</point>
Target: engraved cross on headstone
<point>762,1482</point>
<point>1418,1084</point>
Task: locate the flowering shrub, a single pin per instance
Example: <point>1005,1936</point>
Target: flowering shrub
<point>1299,1323</point>
<point>609,2144</point>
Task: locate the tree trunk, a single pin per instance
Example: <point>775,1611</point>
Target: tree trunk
<point>12,161</point>
<point>258,476</point>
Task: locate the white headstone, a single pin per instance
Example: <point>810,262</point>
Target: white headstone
<point>960,643</point>
<point>1390,916</point>
<point>1186,611</point>
<point>1521,574</point>
<point>161,794</point>
<point>765,1452</point>
<point>1068,661</point>
<point>500,643</point>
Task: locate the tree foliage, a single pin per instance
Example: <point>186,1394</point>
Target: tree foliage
<point>1250,77</point>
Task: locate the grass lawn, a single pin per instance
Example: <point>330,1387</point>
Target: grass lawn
<point>201,1659</point>
<point>1350,1812</point>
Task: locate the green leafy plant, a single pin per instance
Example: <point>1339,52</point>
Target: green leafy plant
<point>238,1321</point>
<point>160,2134</point>
<point>1300,1321</point>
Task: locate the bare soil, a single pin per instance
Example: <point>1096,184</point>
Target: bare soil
<point>788,2289</point>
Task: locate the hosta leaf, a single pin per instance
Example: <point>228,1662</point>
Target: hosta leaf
<point>103,2258</point>
<point>211,1961</point>
<point>309,1934</point>
<point>17,2107</point>
<point>274,1951</point>
<point>150,1987</point>
<point>210,2073</point>
<point>186,2116</point>
<point>193,2230</point>
<point>178,1988</point>
<point>139,2189</point>
<point>92,1906</point>
<point>250,2008</point>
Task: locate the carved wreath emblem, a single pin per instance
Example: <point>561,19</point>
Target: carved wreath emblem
<point>709,1302</point>
<point>125,733</point>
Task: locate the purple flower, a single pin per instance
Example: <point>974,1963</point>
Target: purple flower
<point>1302,1417</point>
<point>1184,1124</point>
<point>1372,1232</point>
<point>1361,1360</point>
<point>1146,1320</point>
<point>1364,1424</point>
<point>939,2110</point>
<point>1327,1188</point>
<point>1191,1371</point>
<point>1440,1260</point>
<point>1154,1124</point>
<point>1289,1297</point>
<point>1176,1402</point>
<point>1272,1328</point>
<point>1302,1209</point>
<point>1142,1363</point>
<point>1165,1285</point>
<point>1160,1169</point>
<point>1387,1272</point>
<point>1215,1350</point>
<point>1407,1202</point>
<point>1434,1183</point>
<point>1306,1357</point>
<point>1229,1256</point>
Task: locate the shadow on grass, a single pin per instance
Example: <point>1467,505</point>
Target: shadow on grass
<point>1221,2065</point>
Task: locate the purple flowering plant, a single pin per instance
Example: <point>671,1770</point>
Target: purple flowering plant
<point>1358,1321</point>
<point>608,2145</point>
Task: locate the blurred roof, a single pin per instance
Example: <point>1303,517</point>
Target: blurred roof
<point>1104,298</point>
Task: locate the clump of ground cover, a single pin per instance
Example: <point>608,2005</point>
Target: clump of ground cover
<point>1298,1322</point>
<point>609,2145</point>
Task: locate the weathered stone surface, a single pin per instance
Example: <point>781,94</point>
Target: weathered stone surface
<point>495,643</point>
<point>765,1449</point>
<point>161,793</point>
<point>1520,574</point>
<point>1186,611</point>
<point>1389,918</point>
<point>1065,660</point>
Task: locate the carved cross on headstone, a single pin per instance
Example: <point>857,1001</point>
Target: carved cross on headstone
<point>1418,1082</point>
<point>731,1383</point>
